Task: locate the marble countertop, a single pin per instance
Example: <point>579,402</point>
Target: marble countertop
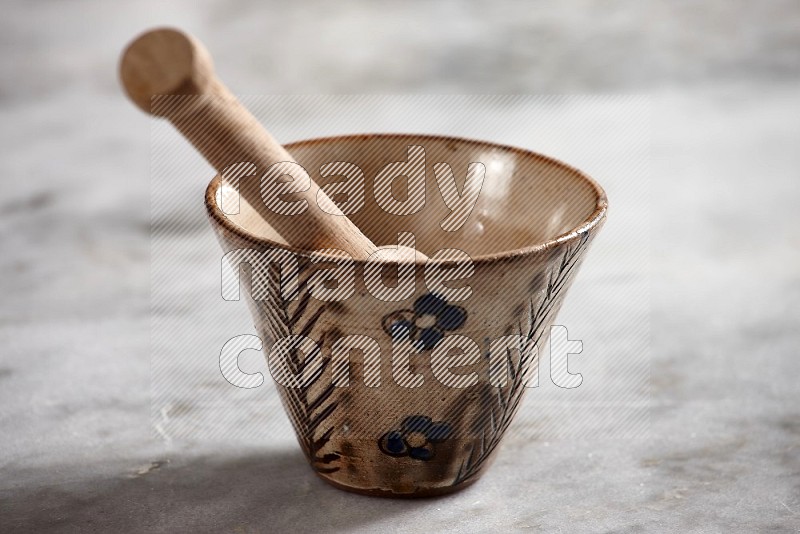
<point>718,267</point>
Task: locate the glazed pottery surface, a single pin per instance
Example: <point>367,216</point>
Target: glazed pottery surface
<point>417,433</point>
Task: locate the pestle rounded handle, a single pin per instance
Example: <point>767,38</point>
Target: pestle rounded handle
<point>169,62</point>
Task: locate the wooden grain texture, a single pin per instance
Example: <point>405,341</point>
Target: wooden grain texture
<point>166,62</point>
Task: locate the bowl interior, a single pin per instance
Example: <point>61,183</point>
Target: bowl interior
<point>526,199</point>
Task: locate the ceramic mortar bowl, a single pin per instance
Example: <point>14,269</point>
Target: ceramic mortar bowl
<point>404,427</point>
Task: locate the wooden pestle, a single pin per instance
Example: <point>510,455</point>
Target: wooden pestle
<point>169,62</point>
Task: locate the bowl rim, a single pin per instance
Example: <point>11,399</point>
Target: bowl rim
<point>589,223</point>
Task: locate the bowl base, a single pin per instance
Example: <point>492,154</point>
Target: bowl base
<point>421,493</point>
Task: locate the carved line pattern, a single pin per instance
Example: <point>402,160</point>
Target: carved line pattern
<point>499,405</point>
<point>310,407</point>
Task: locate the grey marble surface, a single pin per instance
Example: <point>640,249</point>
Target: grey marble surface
<point>722,449</point>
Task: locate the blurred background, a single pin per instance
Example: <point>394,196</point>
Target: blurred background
<point>722,447</point>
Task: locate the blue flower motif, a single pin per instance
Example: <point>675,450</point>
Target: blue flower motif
<point>427,323</point>
<point>415,438</point>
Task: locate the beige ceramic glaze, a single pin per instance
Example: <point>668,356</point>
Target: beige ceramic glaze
<point>532,224</point>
